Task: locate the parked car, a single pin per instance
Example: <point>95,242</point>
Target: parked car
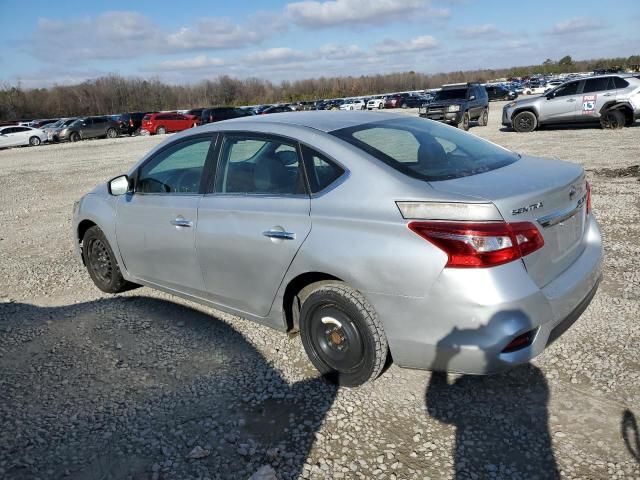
<point>53,129</point>
<point>89,127</point>
<point>376,103</point>
<point>458,104</point>
<point>354,104</point>
<point>498,92</point>
<point>42,123</point>
<point>275,109</point>
<point>403,100</point>
<point>17,135</point>
<point>167,122</point>
<point>361,273</point>
<point>217,114</point>
<point>534,90</point>
<point>131,122</point>
<point>612,100</point>
<point>196,112</point>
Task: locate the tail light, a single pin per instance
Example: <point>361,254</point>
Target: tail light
<point>480,245</point>
<point>588,198</point>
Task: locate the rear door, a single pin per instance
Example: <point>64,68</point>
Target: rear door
<point>253,222</point>
<point>564,105</point>
<point>595,93</point>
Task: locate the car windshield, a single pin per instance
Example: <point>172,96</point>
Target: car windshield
<point>451,94</point>
<point>426,150</point>
<point>56,124</point>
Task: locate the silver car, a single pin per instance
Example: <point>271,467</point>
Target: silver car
<point>612,100</point>
<point>376,236</point>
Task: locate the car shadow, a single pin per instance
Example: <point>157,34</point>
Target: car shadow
<point>139,387</point>
<point>501,420</point>
<point>630,434</point>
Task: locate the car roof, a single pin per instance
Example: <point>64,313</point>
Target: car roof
<point>325,121</point>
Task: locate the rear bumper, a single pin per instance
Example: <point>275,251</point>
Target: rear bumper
<point>471,315</point>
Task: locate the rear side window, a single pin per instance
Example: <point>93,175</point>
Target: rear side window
<point>146,117</point>
<point>596,85</point>
<point>321,171</point>
<point>259,166</point>
<point>426,150</point>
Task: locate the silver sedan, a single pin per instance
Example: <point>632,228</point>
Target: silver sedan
<point>376,236</point>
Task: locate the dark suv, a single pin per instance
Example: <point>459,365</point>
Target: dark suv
<point>210,115</point>
<point>458,104</point>
<point>90,127</point>
<point>499,92</point>
<point>130,122</point>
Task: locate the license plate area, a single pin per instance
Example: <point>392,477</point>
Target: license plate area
<point>569,232</point>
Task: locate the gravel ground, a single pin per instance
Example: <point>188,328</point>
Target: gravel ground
<point>148,386</point>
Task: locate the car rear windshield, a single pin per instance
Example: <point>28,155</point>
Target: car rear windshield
<point>425,149</point>
<point>451,94</point>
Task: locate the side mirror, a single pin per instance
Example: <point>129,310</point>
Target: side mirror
<point>119,185</point>
<point>550,95</point>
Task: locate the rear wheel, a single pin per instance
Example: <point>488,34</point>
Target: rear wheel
<point>483,119</point>
<point>101,263</point>
<point>342,334</point>
<point>161,130</point>
<point>74,137</point>
<point>612,119</point>
<point>34,141</point>
<point>525,122</point>
<point>111,133</point>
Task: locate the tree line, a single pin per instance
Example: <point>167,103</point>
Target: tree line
<point>115,94</point>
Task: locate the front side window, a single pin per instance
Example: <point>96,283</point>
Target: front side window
<point>426,150</point>
<point>176,170</point>
<point>259,166</point>
<point>567,89</point>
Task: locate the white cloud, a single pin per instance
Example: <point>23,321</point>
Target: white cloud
<point>485,30</point>
<point>280,55</point>
<point>320,14</point>
<point>575,25</point>
<point>424,42</point>
<point>195,63</point>
<point>332,51</point>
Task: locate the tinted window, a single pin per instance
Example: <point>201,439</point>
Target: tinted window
<point>99,120</point>
<point>321,171</point>
<point>163,117</point>
<point>568,89</point>
<point>451,94</point>
<point>266,166</point>
<point>620,82</point>
<point>6,131</point>
<point>20,129</point>
<point>596,85</point>
<point>426,150</point>
<point>177,170</point>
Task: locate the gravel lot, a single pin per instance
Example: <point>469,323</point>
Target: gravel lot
<point>146,386</point>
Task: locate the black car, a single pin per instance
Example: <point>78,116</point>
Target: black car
<point>131,122</point>
<point>217,114</point>
<point>276,109</point>
<point>458,104</point>
<point>498,92</point>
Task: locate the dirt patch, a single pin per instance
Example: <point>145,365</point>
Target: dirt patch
<point>632,171</point>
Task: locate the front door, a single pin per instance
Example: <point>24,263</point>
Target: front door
<point>563,106</point>
<point>155,226</point>
<point>253,223</point>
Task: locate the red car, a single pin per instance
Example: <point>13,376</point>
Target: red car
<point>166,122</point>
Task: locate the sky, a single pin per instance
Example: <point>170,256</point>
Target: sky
<point>47,42</point>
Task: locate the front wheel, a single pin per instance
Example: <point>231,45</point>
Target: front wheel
<point>101,263</point>
<point>404,105</point>
<point>342,334</point>
<point>525,122</point>
<point>74,137</point>
<point>464,124</point>
<point>161,131</point>
<point>34,141</point>
<point>111,133</point>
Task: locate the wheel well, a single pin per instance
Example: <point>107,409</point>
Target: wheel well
<point>524,109</point>
<point>83,226</point>
<point>626,109</point>
<point>290,302</point>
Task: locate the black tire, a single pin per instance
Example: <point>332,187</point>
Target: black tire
<point>612,120</point>
<point>74,137</point>
<point>483,119</point>
<point>404,105</point>
<point>35,141</point>
<point>525,122</point>
<point>464,124</point>
<point>101,263</point>
<point>112,133</point>
<point>351,348</point>
<point>380,106</point>
<point>161,131</point>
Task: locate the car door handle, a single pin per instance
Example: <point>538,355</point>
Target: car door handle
<point>279,234</point>
<point>571,100</point>
<point>607,94</point>
<point>181,222</point>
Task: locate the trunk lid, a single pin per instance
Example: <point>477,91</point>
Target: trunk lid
<point>549,193</point>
